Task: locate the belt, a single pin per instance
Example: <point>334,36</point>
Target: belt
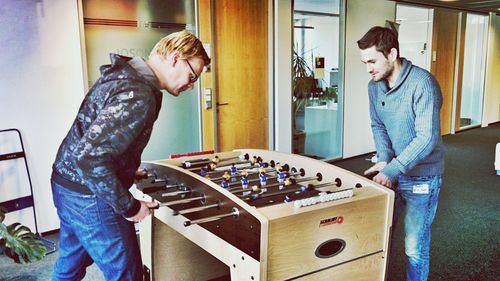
<point>60,180</point>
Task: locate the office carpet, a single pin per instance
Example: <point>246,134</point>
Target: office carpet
<point>465,234</point>
<point>465,241</point>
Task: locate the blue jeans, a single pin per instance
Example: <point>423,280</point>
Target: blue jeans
<point>92,232</point>
<point>418,196</point>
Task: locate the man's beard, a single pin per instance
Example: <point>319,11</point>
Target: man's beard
<point>386,74</point>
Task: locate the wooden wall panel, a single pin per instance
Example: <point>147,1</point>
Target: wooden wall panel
<point>444,36</point>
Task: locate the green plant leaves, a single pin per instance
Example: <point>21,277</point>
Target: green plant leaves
<point>19,243</point>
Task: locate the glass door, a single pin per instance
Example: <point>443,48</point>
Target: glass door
<point>317,104</point>
<point>415,34</point>
<point>132,28</point>
<point>470,99</point>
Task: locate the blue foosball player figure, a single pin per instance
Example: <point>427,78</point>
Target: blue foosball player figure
<point>244,182</point>
<point>234,172</point>
<point>203,172</point>
<point>281,174</point>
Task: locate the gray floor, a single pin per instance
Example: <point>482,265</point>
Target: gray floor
<point>41,270</point>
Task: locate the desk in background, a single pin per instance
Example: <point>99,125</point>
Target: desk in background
<point>321,127</point>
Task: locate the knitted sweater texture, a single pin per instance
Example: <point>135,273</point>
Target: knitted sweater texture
<point>406,123</point>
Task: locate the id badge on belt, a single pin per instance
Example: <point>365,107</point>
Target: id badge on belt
<point>421,189</point>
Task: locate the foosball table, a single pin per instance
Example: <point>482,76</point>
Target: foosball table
<point>262,215</point>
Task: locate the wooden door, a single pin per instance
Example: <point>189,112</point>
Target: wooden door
<point>241,66</point>
<point>444,38</point>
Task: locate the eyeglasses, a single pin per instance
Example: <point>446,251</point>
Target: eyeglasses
<point>193,77</point>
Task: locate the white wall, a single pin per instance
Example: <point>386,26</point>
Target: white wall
<point>283,74</point>
<point>492,85</point>
<point>361,15</point>
<point>41,84</point>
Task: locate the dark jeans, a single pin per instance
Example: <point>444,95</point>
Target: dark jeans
<point>418,196</point>
<point>92,232</point>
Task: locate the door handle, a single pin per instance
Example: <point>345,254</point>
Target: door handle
<point>220,104</point>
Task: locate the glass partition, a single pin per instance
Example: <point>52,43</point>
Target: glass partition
<point>132,28</point>
<point>471,98</point>
<point>316,114</point>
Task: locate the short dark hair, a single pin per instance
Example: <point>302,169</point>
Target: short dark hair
<point>384,39</point>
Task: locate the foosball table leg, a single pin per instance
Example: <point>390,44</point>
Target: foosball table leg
<point>146,245</point>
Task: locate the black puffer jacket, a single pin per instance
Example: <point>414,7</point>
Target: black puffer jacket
<point>103,148</point>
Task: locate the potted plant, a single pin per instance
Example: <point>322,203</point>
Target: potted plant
<point>19,243</point>
<point>328,95</point>
<point>303,87</point>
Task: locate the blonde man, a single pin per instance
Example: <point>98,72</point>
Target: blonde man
<point>97,160</point>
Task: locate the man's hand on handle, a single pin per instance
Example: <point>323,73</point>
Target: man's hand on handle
<point>144,211</point>
<point>374,173</point>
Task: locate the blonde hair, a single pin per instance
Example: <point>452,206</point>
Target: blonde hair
<point>184,42</point>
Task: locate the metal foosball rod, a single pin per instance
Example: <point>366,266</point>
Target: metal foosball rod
<point>241,189</point>
<point>247,193</point>
<point>201,164</point>
<point>197,164</point>
<point>318,177</point>
<point>255,196</point>
<point>175,193</point>
<point>182,201</point>
<point>159,180</point>
<point>308,187</point>
<point>153,189</point>
<point>252,169</point>
<point>217,205</point>
<point>217,168</point>
<point>191,163</point>
<point>266,171</point>
<point>293,173</point>
<point>187,164</point>
<point>249,171</point>
<point>234,213</point>
<point>287,182</point>
<point>211,168</point>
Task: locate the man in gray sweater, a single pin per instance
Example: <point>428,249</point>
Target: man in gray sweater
<point>405,101</point>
